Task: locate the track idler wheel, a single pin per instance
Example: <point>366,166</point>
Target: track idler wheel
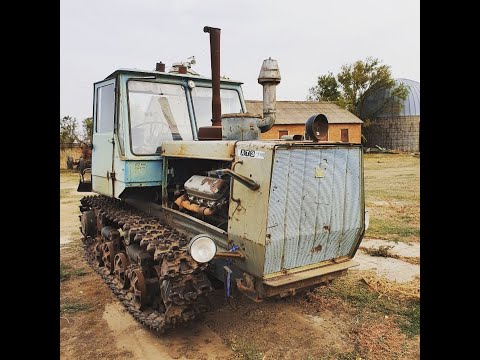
<point>108,256</point>
<point>88,221</point>
<point>139,289</point>
<point>121,264</point>
<point>98,254</point>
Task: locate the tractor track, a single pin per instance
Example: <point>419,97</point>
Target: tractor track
<point>165,287</point>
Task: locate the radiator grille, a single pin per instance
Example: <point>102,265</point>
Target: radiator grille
<point>312,219</point>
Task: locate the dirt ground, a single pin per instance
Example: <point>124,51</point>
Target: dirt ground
<point>347,319</point>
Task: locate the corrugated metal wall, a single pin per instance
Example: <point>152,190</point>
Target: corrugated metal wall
<point>312,219</point>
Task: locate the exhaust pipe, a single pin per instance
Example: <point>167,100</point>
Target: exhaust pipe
<point>269,78</point>
<point>246,126</point>
<point>215,66</point>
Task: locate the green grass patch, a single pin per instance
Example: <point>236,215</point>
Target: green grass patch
<point>393,229</point>
<point>409,322</point>
<point>67,272</point>
<point>392,195</point>
<point>352,355</point>
<point>74,307</point>
<point>245,350</point>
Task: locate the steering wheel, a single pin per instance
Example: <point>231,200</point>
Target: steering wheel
<point>150,138</point>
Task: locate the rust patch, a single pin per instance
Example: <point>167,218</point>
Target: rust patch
<point>326,228</point>
<point>210,133</point>
<point>317,248</point>
<point>208,181</point>
<point>182,150</point>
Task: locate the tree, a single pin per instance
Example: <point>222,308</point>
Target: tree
<point>87,125</point>
<point>326,89</point>
<point>68,130</point>
<point>356,84</point>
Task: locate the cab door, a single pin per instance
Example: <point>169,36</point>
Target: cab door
<point>103,140</point>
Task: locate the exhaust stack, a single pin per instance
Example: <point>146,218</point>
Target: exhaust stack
<point>269,78</point>
<point>246,126</point>
<point>215,66</point>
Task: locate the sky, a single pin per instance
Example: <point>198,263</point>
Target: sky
<point>308,38</point>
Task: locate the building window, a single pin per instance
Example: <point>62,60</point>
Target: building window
<point>344,135</point>
<point>281,133</point>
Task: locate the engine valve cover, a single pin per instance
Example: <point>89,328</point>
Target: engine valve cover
<point>206,187</point>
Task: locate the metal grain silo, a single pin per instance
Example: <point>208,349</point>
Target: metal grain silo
<point>394,130</point>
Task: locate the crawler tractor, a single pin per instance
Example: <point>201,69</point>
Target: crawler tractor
<point>187,192</point>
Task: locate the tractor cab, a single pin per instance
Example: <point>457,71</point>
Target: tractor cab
<point>135,111</point>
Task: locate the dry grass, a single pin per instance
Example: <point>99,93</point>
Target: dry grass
<point>365,291</point>
<point>383,340</point>
<point>67,176</point>
<point>385,316</point>
<point>244,349</point>
<point>410,259</point>
<point>384,287</point>
<point>382,251</point>
<point>392,194</point>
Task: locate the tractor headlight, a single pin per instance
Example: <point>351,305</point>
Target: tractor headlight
<point>367,219</point>
<point>202,248</point>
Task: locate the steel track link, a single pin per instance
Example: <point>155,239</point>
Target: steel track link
<point>157,324</point>
<point>169,250</point>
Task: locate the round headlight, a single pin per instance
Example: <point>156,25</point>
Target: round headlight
<point>367,219</point>
<point>202,248</point>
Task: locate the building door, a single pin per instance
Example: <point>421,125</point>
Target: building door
<point>281,133</point>
<point>344,135</point>
<point>102,151</point>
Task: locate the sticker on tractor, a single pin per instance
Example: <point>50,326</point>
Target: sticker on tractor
<point>251,153</point>
<point>319,172</point>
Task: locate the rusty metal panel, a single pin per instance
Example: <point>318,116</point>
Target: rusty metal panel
<point>353,207</point>
<point>316,198</point>
<point>338,202</point>
<point>296,168</point>
<point>323,208</point>
<point>206,187</point>
<point>248,209</point>
<point>215,150</point>
<point>315,206</point>
<point>309,274</point>
<point>277,209</point>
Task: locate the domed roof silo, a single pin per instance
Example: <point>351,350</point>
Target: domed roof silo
<point>392,129</point>
<point>411,106</point>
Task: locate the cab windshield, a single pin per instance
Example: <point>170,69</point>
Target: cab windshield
<point>202,104</point>
<point>158,112</point>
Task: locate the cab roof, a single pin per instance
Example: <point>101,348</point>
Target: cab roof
<point>165,74</point>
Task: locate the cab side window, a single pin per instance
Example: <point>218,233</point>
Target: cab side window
<point>105,107</point>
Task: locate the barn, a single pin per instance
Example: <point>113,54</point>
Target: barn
<point>292,115</point>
